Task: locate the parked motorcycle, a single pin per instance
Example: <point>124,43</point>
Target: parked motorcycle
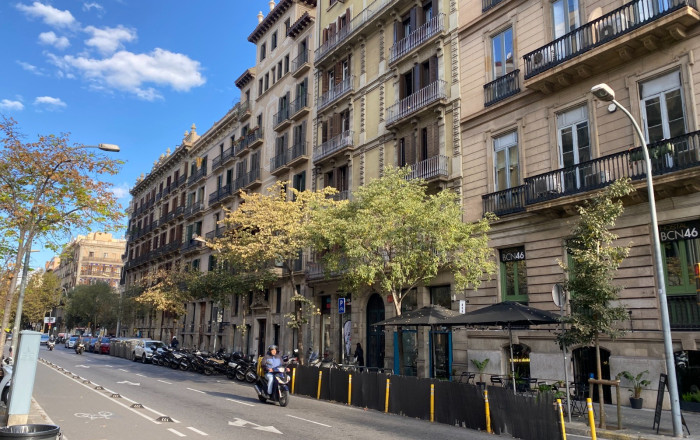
<point>79,347</point>
<point>280,389</point>
<point>6,379</point>
<point>241,368</point>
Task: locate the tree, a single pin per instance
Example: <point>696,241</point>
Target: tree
<point>92,305</point>
<point>273,228</point>
<point>595,306</point>
<point>394,236</point>
<point>42,294</point>
<point>50,189</point>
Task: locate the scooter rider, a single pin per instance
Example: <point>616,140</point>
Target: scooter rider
<point>270,361</point>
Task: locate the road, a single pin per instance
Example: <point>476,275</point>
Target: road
<point>104,397</point>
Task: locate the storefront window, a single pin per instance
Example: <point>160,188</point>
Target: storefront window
<point>513,275</point>
<point>681,251</point>
<point>440,295</point>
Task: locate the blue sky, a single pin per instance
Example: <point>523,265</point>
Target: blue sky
<point>136,73</point>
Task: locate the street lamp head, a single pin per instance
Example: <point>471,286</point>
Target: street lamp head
<point>603,92</point>
<point>109,147</point>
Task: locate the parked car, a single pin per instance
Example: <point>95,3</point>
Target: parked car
<point>70,341</point>
<point>144,350</point>
<point>104,345</point>
<point>44,339</point>
<point>92,345</point>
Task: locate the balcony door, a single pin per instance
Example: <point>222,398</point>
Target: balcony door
<point>502,58</point>
<point>566,17</point>
<point>574,148</point>
<point>662,107</point>
<point>506,167</point>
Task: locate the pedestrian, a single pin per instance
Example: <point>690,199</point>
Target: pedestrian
<point>359,356</point>
<point>174,343</point>
<point>269,362</point>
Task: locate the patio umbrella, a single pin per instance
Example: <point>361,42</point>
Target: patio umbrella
<point>425,316</point>
<point>506,313</point>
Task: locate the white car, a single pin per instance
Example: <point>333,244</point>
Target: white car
<point>144,350</point>
<point>70,342</point>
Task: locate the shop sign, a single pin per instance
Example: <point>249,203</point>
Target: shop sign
<point>512,254</point>
<point>679,231</point>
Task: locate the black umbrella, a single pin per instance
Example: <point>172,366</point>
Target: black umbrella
<point>506,313</point>
<point>428,315</point>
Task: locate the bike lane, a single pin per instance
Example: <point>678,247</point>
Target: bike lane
<point>86,413</point>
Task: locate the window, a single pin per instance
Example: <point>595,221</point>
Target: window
<point>279,70</point>
<point>566,18</point>
<point>278,300</point>
<point>273,41</point>
<point>681,251</point>
<point>267,81</point>
<point>661,102</point>
<point>513,275</point>
<point>574,146</point>
<point>402,153</point>
<point>260,87</point>
<point>299,181</point>
<point>286,63</point>
<point>263,52</point>
<point>287,25</point>
<point>502,54</point>
<point>260,120</point>
<point>440,295</point>
<point>505,157</point>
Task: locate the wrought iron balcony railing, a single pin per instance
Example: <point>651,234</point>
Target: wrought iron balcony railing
<point>417,101</point>
<point>416,38</point>
<point>297,150</point>
<point>300,60</point>
<point>220,193</point>
<point>599,31</point>
<point>334,144</point>
<point>502,88</point>
<point>298,104</point>
<point>668,156</point>
<point>488,4</point>
<point>279,161</point>
<point>429,168</point>
<point>336,92</point>
<point>281,116</point>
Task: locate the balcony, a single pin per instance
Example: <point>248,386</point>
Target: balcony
<point>675,162</point>
<point>301,64</point>
<point>180,181</point>
<point>278,164</point>
<point>341,195</point>
<point>432,168</point>
<point>281,119</point>
<point>502,88</point>
<point>336,92</point>
<point>243,110</point>
<point>300,107</point>
<point>298,154</point>
<point>633,30</point>
<point>194,209</point>
<point>417,38</point>
<point>488,4</point>
<point>200,174</point>
<point>255,138</point>
<point>416,102</point>
<point>228,154</point>
<point>240,147</point>
<point>253,179</point>
<point>220,194</point>
<point>190,246</point>
<point>216,233</point>
<point>333,145</point>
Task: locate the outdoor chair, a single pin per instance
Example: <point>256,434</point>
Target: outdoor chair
<point>497,380</point>
<point>468,376</point>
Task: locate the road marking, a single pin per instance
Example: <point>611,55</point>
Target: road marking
<point>310,421</point>
<point>139,374</point>
<point>169,383</point>
<point>82,366</point>
<point>99,415</point>
<point>197,430</point>
<point>130,383</point>
<point>121,369</point>
<point>242,423</point>
<point>196,391</point>
<point>176,432</point>
<point>242,403</point>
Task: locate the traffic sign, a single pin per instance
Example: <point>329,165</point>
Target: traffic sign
<point>341,305</point>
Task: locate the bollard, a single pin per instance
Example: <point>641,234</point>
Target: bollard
<point>488,412</point>
<point>386,399</point>
<point>294,378</point>
<point>349,389</point>
<point>318,393</point>
<point>432,402</point>
<point>561,419</point>
<point>591,419</point>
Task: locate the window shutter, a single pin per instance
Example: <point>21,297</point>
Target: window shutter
<point>324,82</point>
<point>414,19</point>
<point>336,124</point>
<point>332,29</point>
<point>398,31</point>
<point>433,140</point>
<point>324,131</point>
<point>338,73</point>
<point>325,36</point>
<point>433,69</point>
<point>303,133</point>
<point>402,87</point>
<point>410,149</point>
<point>416,78</point>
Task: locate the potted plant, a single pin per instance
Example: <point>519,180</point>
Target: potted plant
<point>637,384</point>
<point>480,367</point>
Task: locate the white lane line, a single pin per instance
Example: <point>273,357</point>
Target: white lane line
<point>176,432</point>
<point>310,421</point>
<point>121,369</point>
<point>169,383</point>
<point>139,374</point>
<point>196,430</point>
<point>196,391</point>
<point>242,403</point>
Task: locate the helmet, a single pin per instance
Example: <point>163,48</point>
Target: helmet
<point>272,347</point>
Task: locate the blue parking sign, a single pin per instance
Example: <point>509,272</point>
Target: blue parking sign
<point>341,305</point>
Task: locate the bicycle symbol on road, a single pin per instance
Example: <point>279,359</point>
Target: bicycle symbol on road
<point>99,415</point>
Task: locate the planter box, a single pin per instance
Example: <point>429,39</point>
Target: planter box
<point>690,406</point>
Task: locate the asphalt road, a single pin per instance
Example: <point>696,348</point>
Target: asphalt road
<point>199,406</point>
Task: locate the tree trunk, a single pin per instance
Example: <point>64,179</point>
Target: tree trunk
<point>299,311</point>
<point>10,295</point>
<point>399,331</point>
<point>599,373</point>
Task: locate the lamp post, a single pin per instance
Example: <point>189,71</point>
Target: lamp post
<point>604,93</point>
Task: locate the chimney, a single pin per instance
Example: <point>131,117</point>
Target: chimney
<point>260,17</point>
<point>272,5</point>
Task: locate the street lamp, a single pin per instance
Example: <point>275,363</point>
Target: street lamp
<point>604,93</point>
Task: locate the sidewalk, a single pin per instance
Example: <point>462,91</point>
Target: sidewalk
<point>636,424</point>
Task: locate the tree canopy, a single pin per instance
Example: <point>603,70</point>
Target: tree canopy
<point>43,292</point>
<point>92,305</point>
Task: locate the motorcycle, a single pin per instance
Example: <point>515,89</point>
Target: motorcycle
<point>280,389</point>
<point>6,379</point>
<point>79,347</point>
<point>240,368</point>
<point>51,345</point>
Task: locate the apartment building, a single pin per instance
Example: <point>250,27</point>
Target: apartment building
<point>387,94</point>
<point>536,143</point>
<point>89,259</point>
<point>181,203</point>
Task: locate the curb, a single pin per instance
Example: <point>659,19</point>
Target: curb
<point>611,435</point>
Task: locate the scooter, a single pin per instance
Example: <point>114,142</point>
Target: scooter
<point>51,345</point>
<point>6,379</point>
<point>280,390</point>
<point>79,347</point>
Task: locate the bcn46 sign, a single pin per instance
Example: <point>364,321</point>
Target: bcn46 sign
<point>679,231</point>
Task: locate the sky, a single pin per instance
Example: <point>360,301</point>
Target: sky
<point>136,73</point>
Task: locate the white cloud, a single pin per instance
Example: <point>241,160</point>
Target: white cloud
<point>132,72</point>
<point>52,39</point>
<point>48,14</point>
<point>6,104</point>
<point>121,191</point>
<point>96,6</point>
<point>49,103</point>
<point>108,40</point>
<point>29,67</point>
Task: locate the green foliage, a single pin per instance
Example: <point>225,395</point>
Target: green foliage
<point>691,397</point>
<point>42,293</point>
<point>480,367</point>
<point>94,304</point>
<point>165,291</point>
<point>594,302</point>
<point>219,285</point>
<point>637,381</point>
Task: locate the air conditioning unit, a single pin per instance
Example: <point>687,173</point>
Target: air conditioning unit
<point>547,186</point>
<point>611,26</point>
